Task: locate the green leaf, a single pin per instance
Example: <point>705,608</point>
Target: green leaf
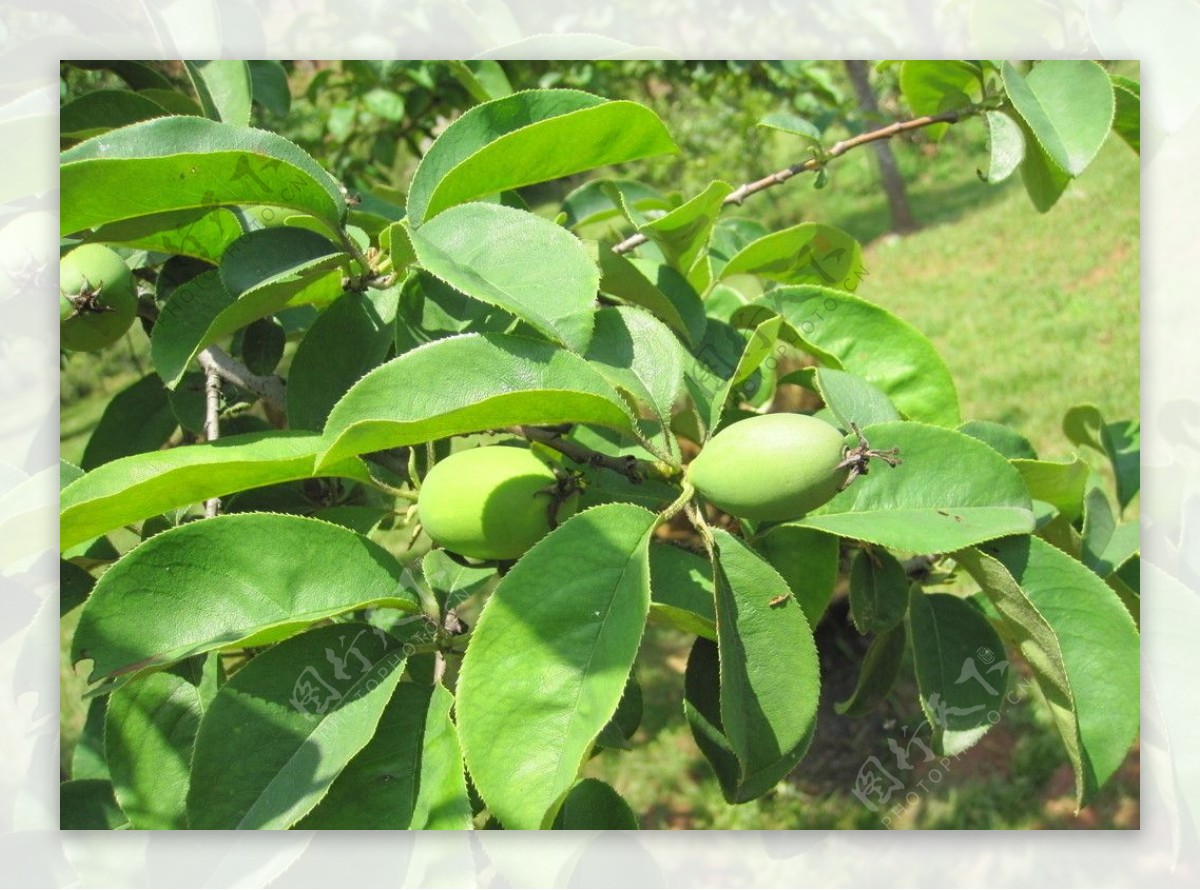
<point>758,347</point>
<point>681,590</point>
<point>549,658</point>
<point>807,560</point>
<point>1127,120</point>
<point>263,342</point>
<point>683,233</point>
<point>223,87</point>
<point>878,591</point>
<point>323,369</point>
<point>89,805</point>
<point>102,110</point>
<point>137,419</point>
<point>512,259</point>
<point>148,744</point>
<point>526,138</point>
<point>960,665</point>
<point>850,398</point>
<point>626,719</point>
<point>201,232</point>
<point>1003,439</point>
<point>795,125</point>
<point>950,492</point>
<point>592,202</point>
<point>1044,181</point>
<point>850,334</point>
<point>717,360</point>
<point>931,87</point>
<point>1006,146</point>
<point>229,581</point>
<point>594,805</point>
<point>88,761</point>
<point>702,709</point>
<point>880,668</point>
<point>283,728</point>
<point>204,233</point>
<point>142,485</point>
<point>174,101</point>
<point>1080,641</point>
<point>386,104</point>
<point>658,289</point>
<point>484,79</point>
<point>1120,441</point>
<point>1059,483</point>
<point>810,253</point>
<point>409,775</point>
<point>74,585</point>
<point>638,354</point>
<point>207,308</point>
<point>473,382</point>
<point>176,163</point>
<point>1106,546</point>
<point>1068,105</point>
<point>770,676</point>
<point>138,75</point>
<point>269,86</point>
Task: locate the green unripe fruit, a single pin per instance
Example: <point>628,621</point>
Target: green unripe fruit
<point>491,503</point>
<point>97,299</point>
<point>770,467</point>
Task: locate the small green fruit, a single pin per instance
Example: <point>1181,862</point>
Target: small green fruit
<point>97,299</point>
<point>490,503</point>
<point>770,467</point>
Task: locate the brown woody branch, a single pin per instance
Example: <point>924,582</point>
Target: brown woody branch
<point>742,192</point>
<point>630,467</point>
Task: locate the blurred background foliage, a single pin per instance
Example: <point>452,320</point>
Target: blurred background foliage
<point>1033,313</point>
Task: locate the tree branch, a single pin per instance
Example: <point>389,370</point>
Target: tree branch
<point>269,388</point>
<point>630,467</point>
<point>212,418</point>
<point>742,192</point>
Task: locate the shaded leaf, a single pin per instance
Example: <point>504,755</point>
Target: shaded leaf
<point>878,591</point>
<point>810,253</point>
<point>409,775</point>
<point>960,666</point>
<point>880,668</point>
<point>592,804</point>
<point>137,419</point>
<point>770,677</point>
<point>807,560</point>
<point>282,729</point>
<point>681,590</point>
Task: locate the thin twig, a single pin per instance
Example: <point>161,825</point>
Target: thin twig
<point>738,195</point>
<point>269,388</point>
<point>630,467</point>
<point>212,418</point>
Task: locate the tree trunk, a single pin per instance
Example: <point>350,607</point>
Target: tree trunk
<point>893,183</point>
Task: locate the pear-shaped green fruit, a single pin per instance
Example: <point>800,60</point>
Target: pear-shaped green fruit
<point>97,299</point>
<point>490,503</point>
<point>770,467</point>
